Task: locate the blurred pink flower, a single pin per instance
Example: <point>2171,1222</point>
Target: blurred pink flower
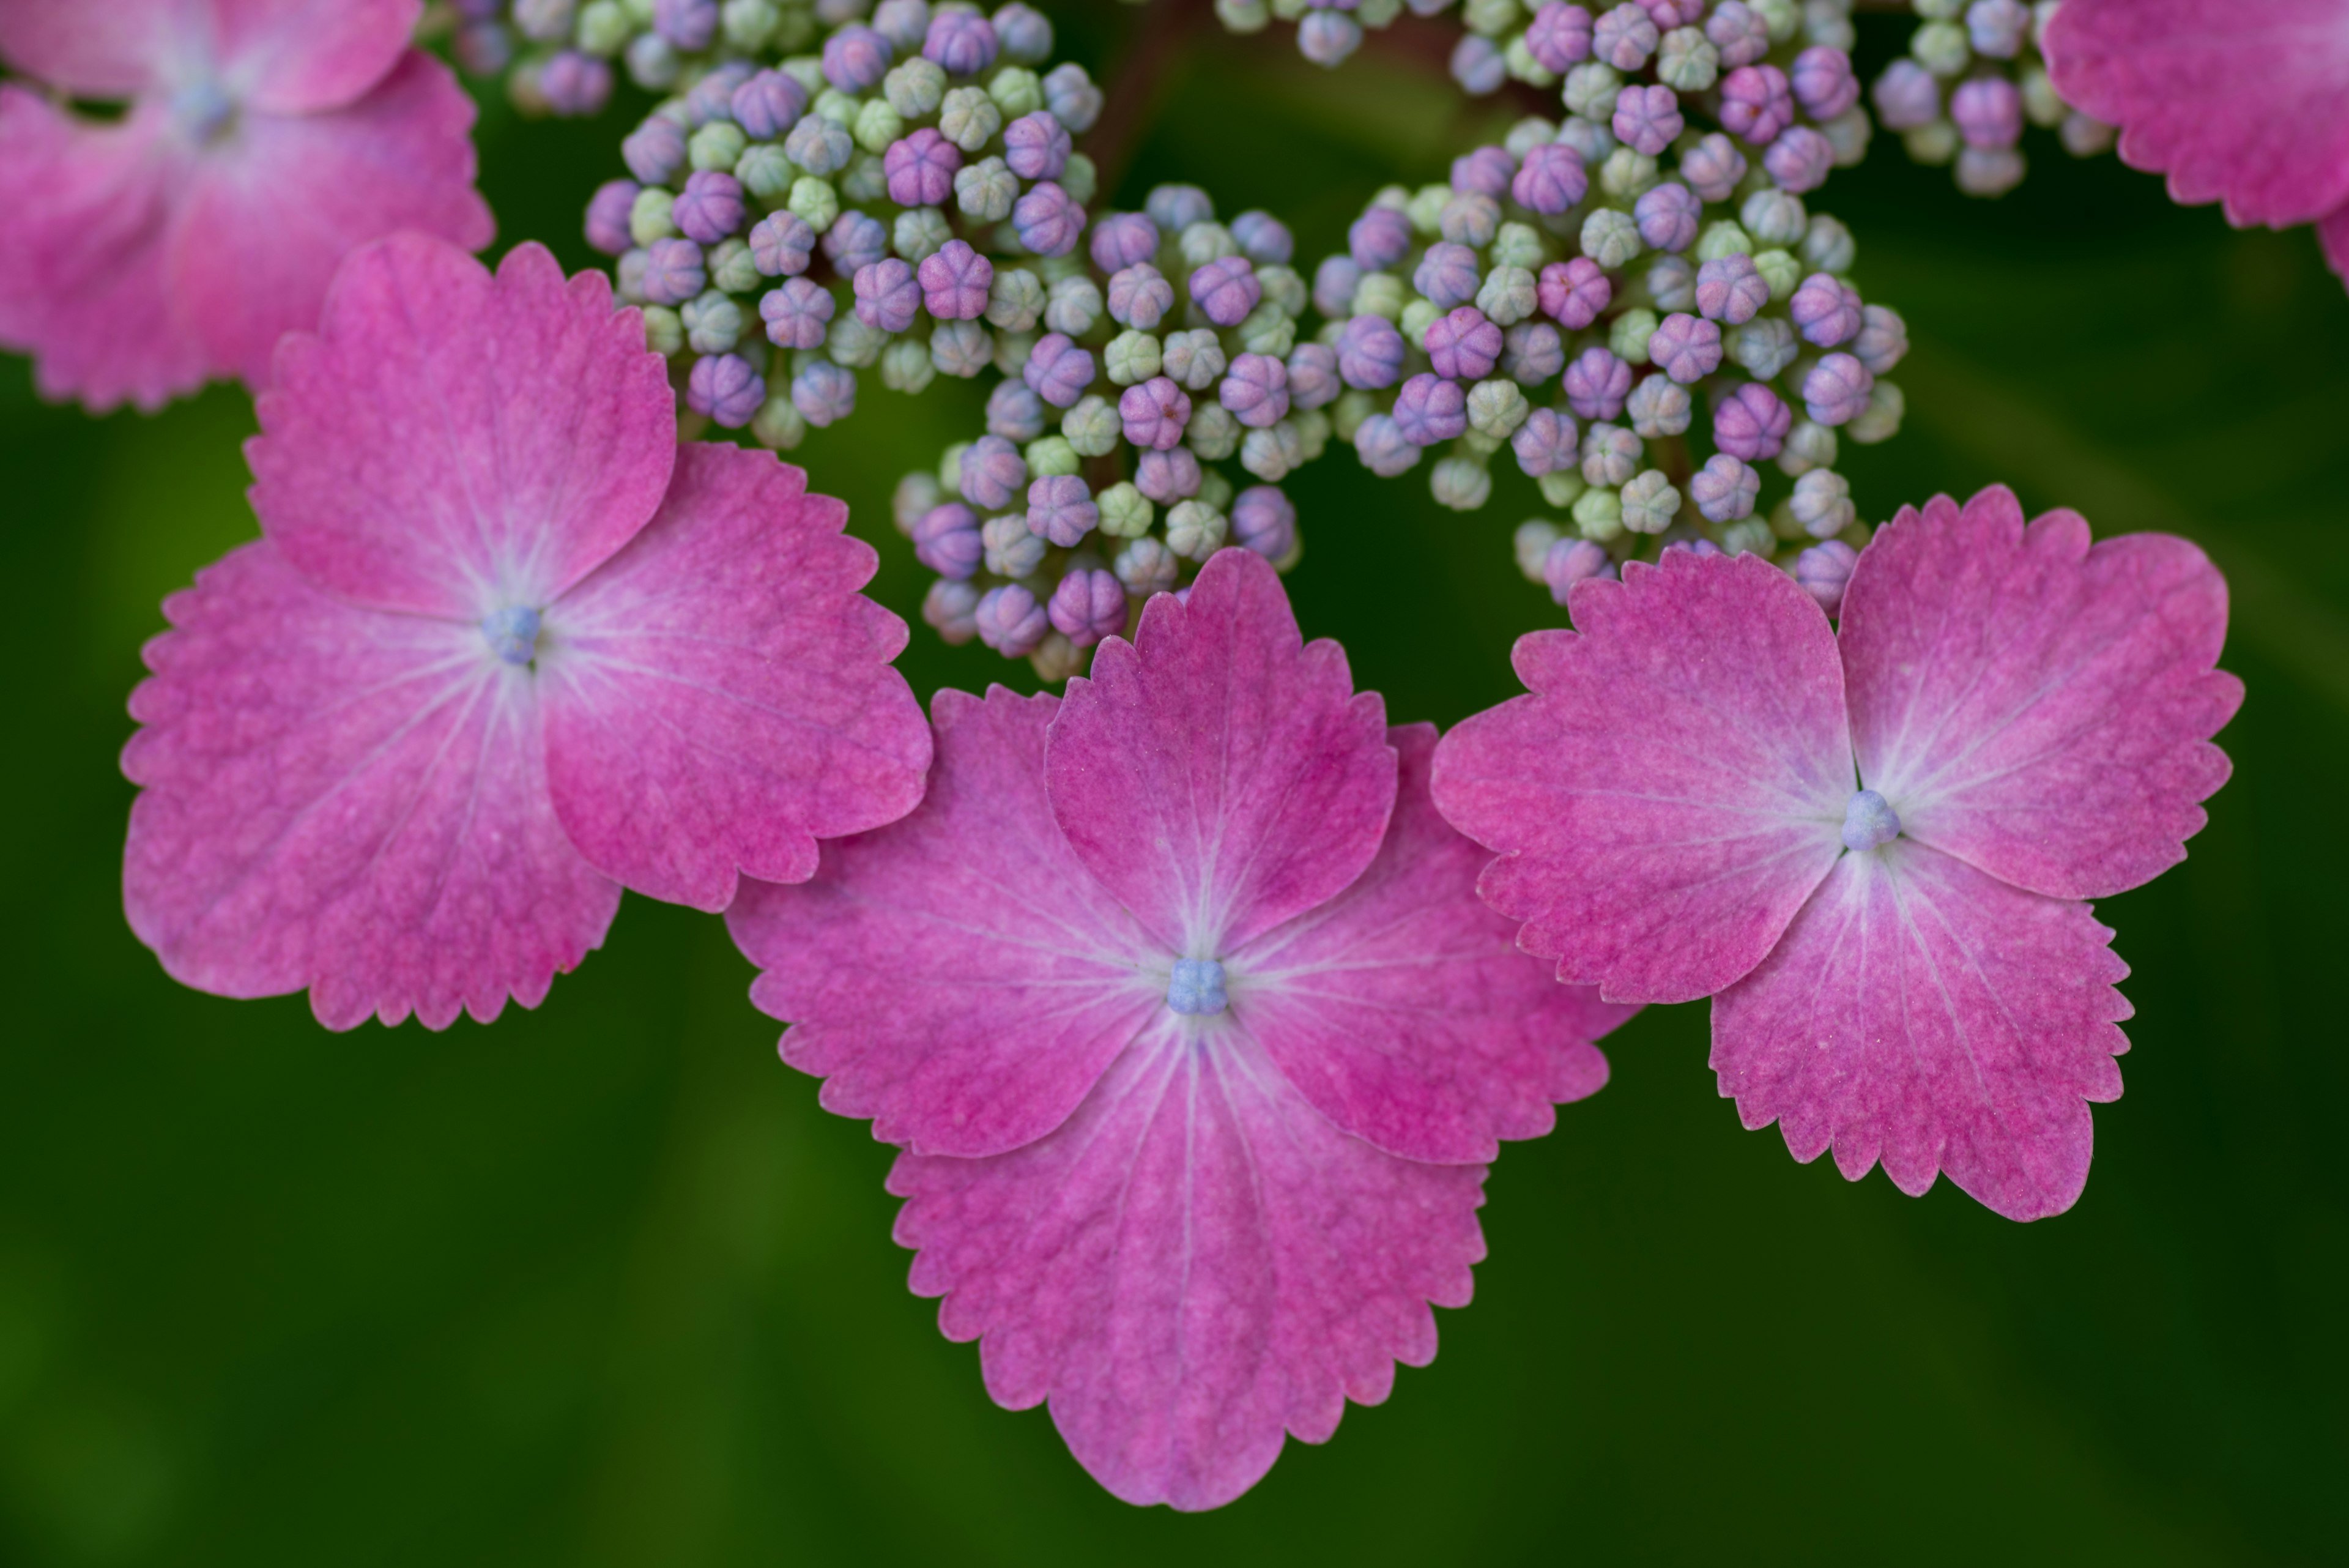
<point>2243,102</point>
<point>502,649</point>
<point>262,140</point>
<point>1871,846</point>
<point>1179,997</point>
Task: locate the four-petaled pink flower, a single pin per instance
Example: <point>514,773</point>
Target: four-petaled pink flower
<point>502,649</point>
<point>1179,998</point>
<point>263,142</point>
<point>1872,846</point>
<point>2245,101</point>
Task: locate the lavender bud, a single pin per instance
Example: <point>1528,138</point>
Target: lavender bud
<point>947,540</point>
<point>1429,410</point>
<point>1836,391</point>
<point>608,213</point>
<point>962,44</point>
<point>1731,288</point>
<point>956,283</point>
<point>1750,423</point>
<point>1379,238</point>
<point>1225,290</point>
<point>1552,180</point>
<point>1625,38</point>
<point>1822,503</point>
<point>1121,240</point>
<point>654,151</point>
<point>1907,96</point>
<point>1146,566</point>
<point>1447,274</point>
<point>1824,571</point>
<point>1573,292</point>
<point>1485,168</point>
<point>724,388</point>
<point>1264,520</point>
<point>905,23</point>
<point>1153,414</point>
<point>1589,140</point>
<point>1667,216</point>
<point>855,58</point>
<point>1167,476</point>
<point>1826,309</point>
<point>1646,119</point>
<point>921,168</point>
<point>1988,111</point>
<point>1174,208</point>
<point>1035,146</point>
<point>575,85</point>
<point>1334,282</point>
<point>1009,619</point>
<point>1596,382</point>
<point>1712,167</point>
<point>1022,33</point>
<point>781,244</point>
<point>1610,454</point>
<point>673,272</point>
<point>1823,82</point>
<point>1047,221</point>
<point>688,25</point>
<point>1742,36</point>
<point>1313,379</point>
<point>1061,509</point>
<point>1256,390</point>
<point>986,190</point>
<point>952,607</point>
<point>1058,370</point>
<point>1561,37</point>
<point>1194,359</point>
<point>1477,66</point>
<point>1327,37</point>
<point>1570,561</point>
<point>1724,489</point>
<point>887,296</point>
<point>1659,407</point>
<point>1883,339</point>
<point>1072,97</point>
<point>960,348</point>
<point>1014,411</point>
<point>1799,160</point>
<point>711,322</point>
<point>1611,238</point>
<point>820,146</point>
<point>992,473</point>
<point>1547,441</point>
<point>1088,605</point>
<point>1463,345</point>
<point>1756,103</point>
<point>1384,448</point>
<point>1140,297</point>
<point>1371,353</point>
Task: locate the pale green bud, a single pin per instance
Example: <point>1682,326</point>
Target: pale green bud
<point>969,118</point>
<point>1426,208</point>
<point>749,24</point>
<point>1205,241</point>
<point>1590,89</point>
<point>1132,357</point>
<point>712,322</point>
<point>1849,135</point>
<point>1312,427</point>
<point>1289,10</point>
<point>1011,350</point>
<point>731,268</point>
<point>1828,246</point>
<point>717,145</point>
<point>986,190</point>
<point>1213,433</point>
<point>650,217</point>
<point>1283,288</point>
<point>1073,305</point>
<point>961,349</point>
<point>1723,239</point>
<point>950,468</point>
<point>1477,443</point>
<point>878,125</point>
<point>778,425</point>
<point>1532,541</point>
<point>1527,134</point>
<point>1629,336</point>
<point>1781,271</point>
<point>1561,487</point>
<point>905,366</point>
<point>1518,61</point>
<point>865,181</point>
<point>1015,300</point>
<point>1611,238</point>
<point>1196,530</point>
<point>1215,490</point>
<point>1763,346</point>
<point>1687,62</point>
<point>1822,503</point>
<point>1126,512</point>
<point>1649,503</point>
<point>2040,101</point>
<point>1052,454</point>
<point>1599,515</point>
<point>1417,317</point>
<point>1773,217</point>
<point>838,107</point>
<point>1747,536</point>
<point>1461,483</point>
<point>919,234</point>
<point>1935,143</point>
<point>1079,179</point>
<point>765,170</point>
<point>851,343</point>
<point>1194,358</point>
<point>1272,452</point>
<point>1627,175</point>
<point>1352,406</point>
<point>604,28</point>
<point>1093,427</point>
<point>1783,17</point>
<point>1016,91</point>
<point>916,88</point>
<point>1942,48</point>
<point>1880,420</point>
<point>1380,294</point>
<point>814,203</point>
<point>805,69</point>
<point>1269,329</point>
<point>1508,295</point>
<point>664,332</point>
<point>1493,17</point>
<point>1809,445</point>
<point>1519,245</point>
<point>1244,15</point>
<point>1497,408</point>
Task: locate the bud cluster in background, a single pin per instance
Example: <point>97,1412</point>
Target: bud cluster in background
<point>1971,77</point>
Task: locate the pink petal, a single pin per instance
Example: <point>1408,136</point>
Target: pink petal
<point>957,976</point>
<point>1218,775</point>
<point>1673,787</point>
<point>452,443</point>
<point>299,56</point>
<point>348,801</point>
<point>1925,1014</point>
<point>269,218</point>
<point>2242,99</point>
<point>1403,1010</point>
<point>2334,231</point>
<point>1195,1263</point>
<point>85,215</point>
<point>718,695</point>
<point>2032,705</point>
<point>93,48</point>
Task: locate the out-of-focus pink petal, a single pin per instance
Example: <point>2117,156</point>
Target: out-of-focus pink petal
<point>96,48</point>
<point>2334,231</point>
<point>718,695</point>
<point>1924,1014</point>
<point>348,801</point>
<point>299,56</point>
<point>452,444</point>
<point>2034,705</point>
<point>2244,100</point>
<point>1403,1011</point>
<point>271,215</point>
<point>959,976</point>
<point>1197,1263</point>
<point>1674,786</point>
<point>85,215</point>
<point>1217,774</point>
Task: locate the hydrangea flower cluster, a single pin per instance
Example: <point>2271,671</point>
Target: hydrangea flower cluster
<point>1693,46</point>
<point>1663,294</point>
<point>1974,73</point>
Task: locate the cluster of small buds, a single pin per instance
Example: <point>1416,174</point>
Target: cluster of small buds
<point>1633,274</point>
<point>1328,31</point>
<point>1103,477</point>
<point>561,56</point>
<point>1971,77</point>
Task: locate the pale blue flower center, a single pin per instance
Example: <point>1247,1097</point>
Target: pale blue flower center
<point>1868,821</point>
<point>1196,987</point>
<point>513,633</point>
<point>202,111</point>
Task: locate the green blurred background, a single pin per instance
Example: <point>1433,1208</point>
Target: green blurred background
<point>602,1284</point>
